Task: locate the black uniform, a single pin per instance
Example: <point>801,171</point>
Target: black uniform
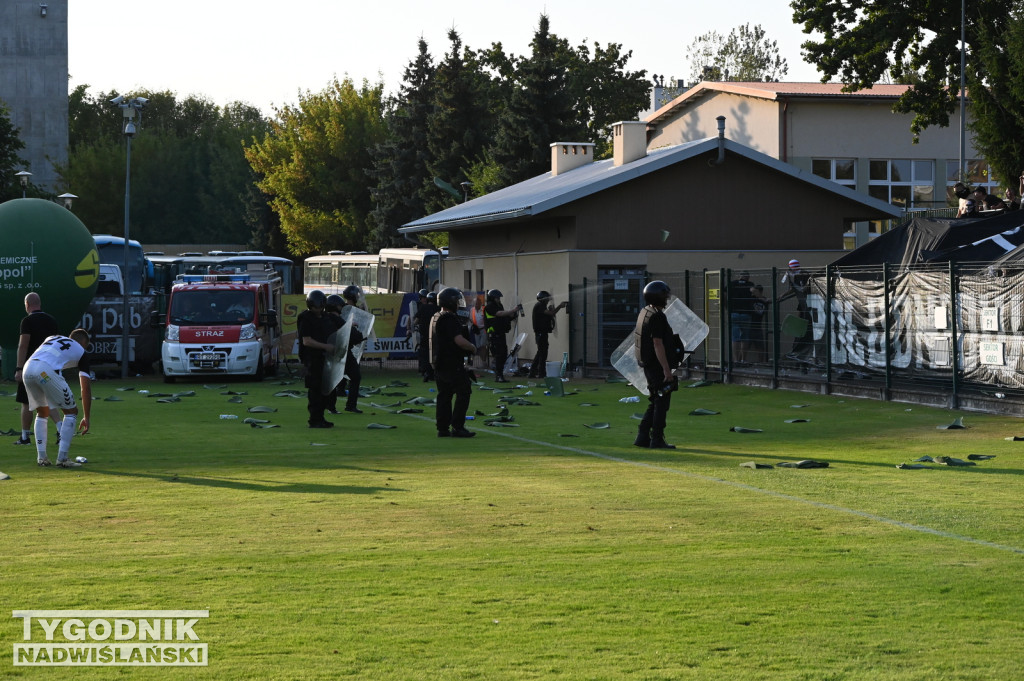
<point>652,323</point>
<point>451,375</point>
<point>38,326</point>
<point>319,328</point>
<point>543,324</point>
<point>425,311</point>
<point>497,343</point>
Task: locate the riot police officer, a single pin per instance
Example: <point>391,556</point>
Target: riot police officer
<point>449,347</point>
<point>314,329</point>
<point>498,322</point>
<point>424,313</point>
<point>543,324</point>
<point>653,348</point>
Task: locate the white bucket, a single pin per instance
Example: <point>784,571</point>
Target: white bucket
<point>553,369</point>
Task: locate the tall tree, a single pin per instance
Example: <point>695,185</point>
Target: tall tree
<point>745,55</point>
<point>540,109</point>
<point>10,162</point>
<point>314,166</point>
<point>913,41</point>
<point>605,92</point>
<point>459,125</point>
<point>400,161</point>
<point>997,103</point>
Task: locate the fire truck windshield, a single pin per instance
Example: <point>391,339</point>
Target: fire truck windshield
<point>211,307</point>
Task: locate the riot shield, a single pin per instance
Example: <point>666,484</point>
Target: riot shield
<point>690,328</point>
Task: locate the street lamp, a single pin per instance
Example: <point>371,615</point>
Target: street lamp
<point>23,178</point>
<point>67,198</point>
<point>131,109</point>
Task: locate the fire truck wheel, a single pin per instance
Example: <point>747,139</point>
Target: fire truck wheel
<point>260,371</point>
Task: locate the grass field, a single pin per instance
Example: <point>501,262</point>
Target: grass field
<point>545,551</point>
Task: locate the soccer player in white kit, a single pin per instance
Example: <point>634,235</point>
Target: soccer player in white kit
<point>47,389</point>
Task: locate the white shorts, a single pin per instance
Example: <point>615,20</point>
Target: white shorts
<point>46,387</point>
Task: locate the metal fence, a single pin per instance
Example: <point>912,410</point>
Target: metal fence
<point>949,335</point>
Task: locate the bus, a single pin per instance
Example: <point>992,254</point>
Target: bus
<point>111,251</point>
<point>392,270</point>
<point>166,268</point>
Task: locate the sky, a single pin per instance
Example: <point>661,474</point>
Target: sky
<point>265,52</point>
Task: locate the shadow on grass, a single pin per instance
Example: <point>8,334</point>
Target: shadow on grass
<point>252,486</point>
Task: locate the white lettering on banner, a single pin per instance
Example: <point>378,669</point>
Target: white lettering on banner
<point>18,260</point>
<point>389,345</point>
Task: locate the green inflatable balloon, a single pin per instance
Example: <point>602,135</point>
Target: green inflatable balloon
<point>46,249</point>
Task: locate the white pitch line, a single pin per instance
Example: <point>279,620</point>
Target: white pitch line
<point>740,485</point>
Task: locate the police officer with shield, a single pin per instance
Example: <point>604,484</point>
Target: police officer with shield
<point>498,322</point>
<point>449,347</point>
<point>656,347</point>
<point>314,329</point>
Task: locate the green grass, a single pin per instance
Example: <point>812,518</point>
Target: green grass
<point>523,554</point>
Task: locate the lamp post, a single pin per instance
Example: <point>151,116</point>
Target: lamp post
<point>130,109</point>
<point>67,198</point>
<point>23,178</point>
<point>963,60</point>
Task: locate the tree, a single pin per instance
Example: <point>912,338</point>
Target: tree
<point>744,55</point>
<point>997,104</point>
<point>539,111</point>
<point>313,164</point>
<point>605,92</point>
<point>400,161</point>
<point>459,124</point>
<point>190,178</point>
<point>914,41</point>
<point>10,162</point>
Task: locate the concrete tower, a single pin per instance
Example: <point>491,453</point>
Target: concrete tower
<point>34,81</point>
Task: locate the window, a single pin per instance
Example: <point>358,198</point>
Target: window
<point>840,170</point>
<point>979,174</point>
<point>902,182</point>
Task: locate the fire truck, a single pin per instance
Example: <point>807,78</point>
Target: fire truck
<point>223,324</point>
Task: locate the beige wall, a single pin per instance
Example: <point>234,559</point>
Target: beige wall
<point>824,129</point>
<point>751,121</point>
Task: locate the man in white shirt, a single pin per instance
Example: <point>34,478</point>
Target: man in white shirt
<point>46,386</point>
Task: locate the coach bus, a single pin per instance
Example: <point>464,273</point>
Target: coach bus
<point>111,252</point>
<point>392,270</point>
<point>166,268</point>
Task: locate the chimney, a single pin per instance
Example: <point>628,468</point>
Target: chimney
<point>566,156</point>
<point>629,141</point>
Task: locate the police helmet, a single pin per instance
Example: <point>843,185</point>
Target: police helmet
<point>352,294</point>
<point>316,298</point>
<point>494,295</point>
<point>335,302</point>
<point>543,295</point>
<point>423,293</point>
<point>656,293</point>
<point>451,299</point>
<point>432,297</point>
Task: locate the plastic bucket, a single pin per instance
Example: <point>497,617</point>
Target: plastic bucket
<point>553,369</point>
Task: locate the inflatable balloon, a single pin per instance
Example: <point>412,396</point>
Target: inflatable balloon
<point>46,249</point>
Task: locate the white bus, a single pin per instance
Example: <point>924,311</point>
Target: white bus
<point>393,270</point>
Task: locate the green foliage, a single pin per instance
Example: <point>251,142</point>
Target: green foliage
<point>605,92</point>
<point>190,180</point>
<point>539,110</point>
<point>997,104</point>
<point>745,55</point>
<point>313,165</point>
<point>10,162</point>
<point>914,41</point>
<point>459,126</point>
<point>400,161</point>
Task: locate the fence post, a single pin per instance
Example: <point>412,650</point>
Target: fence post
<point>586,290</point>
<point>775,327</point>
<point>954,314</point>
<point>887,323</point>
<point>829,294</point>
<point>725,336</point>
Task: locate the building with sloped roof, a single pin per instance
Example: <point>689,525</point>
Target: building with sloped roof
<point>599,228</point>
<point>851,138</point>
